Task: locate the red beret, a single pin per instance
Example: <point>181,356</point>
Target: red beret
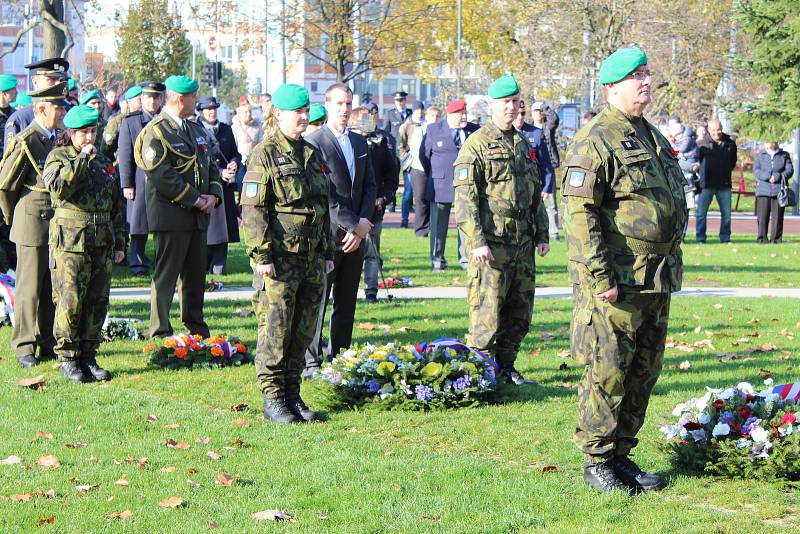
<point>455,106</point>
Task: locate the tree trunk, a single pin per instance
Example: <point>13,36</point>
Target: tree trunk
<point>54,39</point>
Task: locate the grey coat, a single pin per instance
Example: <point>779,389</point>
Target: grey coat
<point>766,166</point>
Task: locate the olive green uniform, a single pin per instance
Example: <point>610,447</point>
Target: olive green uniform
<point>25,202</point>
<point>86,229</point>
<point>498,204</point>
<point>8,254</point>
<point>109,140</point>
<point>624,215</point>
<point>286,222</point>
<point>176,162</point>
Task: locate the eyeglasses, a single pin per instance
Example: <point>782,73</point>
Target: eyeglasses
<point>641,75</point>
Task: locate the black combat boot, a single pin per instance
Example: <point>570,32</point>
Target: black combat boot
<point>299,408</point>
<point>275,410</point>
<point>630,473</point>
<point>91,369</point>
<point>71,370</point>
<point>514,377</point>
<point>602,476</point>
<point>27,361</point>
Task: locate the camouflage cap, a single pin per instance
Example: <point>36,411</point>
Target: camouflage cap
<point>181,84</point>
<point>503,86</point>
<point>316,113</point>
<point>7,82</point>
<point>91,95</point>
<point>621,63</point>
<point>290,96</point>
<point>80,117</point>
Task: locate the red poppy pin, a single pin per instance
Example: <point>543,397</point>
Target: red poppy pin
<point>110,170</point>
<point>324,169</point>
<point>532,155</point>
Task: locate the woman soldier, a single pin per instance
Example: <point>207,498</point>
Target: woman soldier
<point>287,229</point>
<point>87,230</point>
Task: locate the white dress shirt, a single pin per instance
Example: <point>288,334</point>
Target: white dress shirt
<point>347,150</point>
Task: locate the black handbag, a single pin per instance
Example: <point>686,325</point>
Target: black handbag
<point>786,196</point>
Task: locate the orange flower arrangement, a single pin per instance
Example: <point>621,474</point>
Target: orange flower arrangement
<point>214,340</point>
<point>181,352</point>
<point>240,347</point>
<point>217,352</point>
<point>198,337</point>
<point>149,347</point>
<point>169,342</point>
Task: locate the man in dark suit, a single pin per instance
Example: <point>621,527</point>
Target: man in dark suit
<point>352,202</point>
<point>392,121</point>
<point>440,148</point>
<point>131,177</point>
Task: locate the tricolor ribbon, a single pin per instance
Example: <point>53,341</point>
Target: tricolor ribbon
<point>789,392</point>
<point>449,342</point>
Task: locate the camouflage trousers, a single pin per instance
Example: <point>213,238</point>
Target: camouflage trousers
<point>81,287</point>
<point>622,347</point>
<point>500,294</point>
<point>286,307</point>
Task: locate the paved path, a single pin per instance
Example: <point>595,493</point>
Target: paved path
<point>244,293</point>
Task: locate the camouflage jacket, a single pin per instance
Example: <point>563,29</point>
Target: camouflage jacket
<point>624,207</point>
<point>110,136</point>
<point>24,199</point>
<point>87,200</point>
<point>285,201</point>
<point>179,168</point>
<point>498,195</point>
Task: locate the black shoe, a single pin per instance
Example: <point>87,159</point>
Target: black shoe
<point>299,408</point>
<point>275,410</point>
<point>91,369</point>
<point>514,377</point>
<point>630,473</point>
<point>372,299</point>
<point>71,370</point>
<point>403,224</point>
<point>27,361</point>
<point>602,477</point>
<point>44,356</point>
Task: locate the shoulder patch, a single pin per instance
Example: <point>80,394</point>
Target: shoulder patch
<point>630,144</point>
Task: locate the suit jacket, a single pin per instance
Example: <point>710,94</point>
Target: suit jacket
<point>438,155</point>
<point>536,137</point>
<point>129,174</point>
<point>179,169</point>
<point>348,201</point>
<point>24,197</point>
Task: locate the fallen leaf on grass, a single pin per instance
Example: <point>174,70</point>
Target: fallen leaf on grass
<point>213,455</point>
<point>226,479</point>
<point>48,461</point>
<point>21,497</point>
<point>550,469</point>
<point>193,484</point>
<point>43,435</point>
<point>239,407</point>
<point>685,365</point>
<point>170,502</point>
<point>49,520</point>
<point>564,354</point>
<point>212,524</point>
<point>272,515</point>
<point>152,419</point>
<point>191,471</point>
<point>385,327</point>
<point>172,444</point>
<point>366,326</point>
<point>121,515</point>
<point>76,445</point>
<point>37,382</point>
<point>172,426</point>
<point>87,487</point>
<point>395,260</point>
<point>406,329</point>
<point>322,516</point>
<point>241,422</point>
<point>11,460</point>
<point>92,458</point>
<point>237,443</point>
<point>204,441</point>
<point>167,469</point>
<point>122,481</point>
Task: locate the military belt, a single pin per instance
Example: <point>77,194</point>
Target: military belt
<point>89,216</point>
<point>512,213</point>
<point>624,243</point>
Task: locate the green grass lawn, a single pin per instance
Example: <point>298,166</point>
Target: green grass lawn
<point>505,467</point>
<point>741,264</point>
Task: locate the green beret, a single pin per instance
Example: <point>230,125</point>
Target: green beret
<point>316,113</point>
<point>290,96</point>
<point>621,63</point>
<point>21,101</point>
<point>80,117</point>
<point>181,84</point>
<point>133,92</point>
<point>7,82</point>
<point>71,84</point>
<point>91,95</point>
<point>503,86</point>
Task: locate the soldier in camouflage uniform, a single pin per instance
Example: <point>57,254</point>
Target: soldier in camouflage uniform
<point>25,202</point>
<point>287,230</point>
<point>130,102</point>
<point>86,232</point>
<point>8,92</point>
<point>499,211</point>
<point>624,215</point>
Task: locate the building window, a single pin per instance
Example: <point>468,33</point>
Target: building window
<point>314,87</point>
<point>389,86</point>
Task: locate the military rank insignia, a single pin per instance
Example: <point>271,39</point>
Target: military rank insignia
<point>251,190</point>
<point>630,144</point>
<point>149,154</point>
<point>576,178</point>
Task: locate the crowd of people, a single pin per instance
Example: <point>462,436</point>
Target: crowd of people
<point>308,186</point>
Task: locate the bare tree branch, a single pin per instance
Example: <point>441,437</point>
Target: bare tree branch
<point>20,34</point>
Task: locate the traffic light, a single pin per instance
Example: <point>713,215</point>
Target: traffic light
<point>211,73</point>
<point>217,73</point>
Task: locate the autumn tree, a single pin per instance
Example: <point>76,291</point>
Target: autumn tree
<point>152,43</point>
<point>56,37</point>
